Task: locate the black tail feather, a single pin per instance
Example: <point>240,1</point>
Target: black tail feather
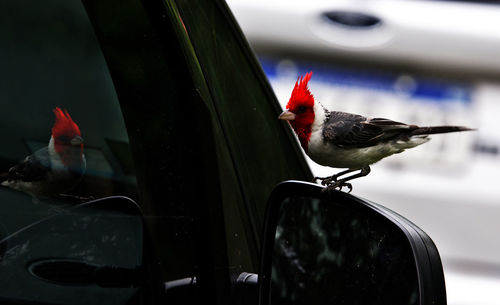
<point>438,129</point>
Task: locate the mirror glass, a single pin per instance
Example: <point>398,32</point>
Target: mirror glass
<point>334,253</point>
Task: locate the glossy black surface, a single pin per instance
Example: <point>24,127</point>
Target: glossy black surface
<point>332,247</point>
<point>328,253</point>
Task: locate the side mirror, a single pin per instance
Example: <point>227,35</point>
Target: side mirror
<point>334,248</point>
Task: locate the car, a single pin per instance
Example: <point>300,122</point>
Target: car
<point>191,182</point>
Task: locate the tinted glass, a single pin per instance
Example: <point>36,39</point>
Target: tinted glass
<point>53,78</point>
<point>327,253</point>
<point>51,58</point>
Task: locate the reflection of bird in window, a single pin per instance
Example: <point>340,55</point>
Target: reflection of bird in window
<point>345,140</point>
<point>54,169</point>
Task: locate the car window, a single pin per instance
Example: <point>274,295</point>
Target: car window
<point>65,144</point>
<point>51,60</point>
<point>101,68</point>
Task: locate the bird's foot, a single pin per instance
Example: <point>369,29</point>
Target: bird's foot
<point>338,185</point>
<point>333,183</point>
<point>326,180</point>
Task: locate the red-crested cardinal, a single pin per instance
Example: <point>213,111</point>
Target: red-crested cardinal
<point>344,140</point>
<point>54,169</point>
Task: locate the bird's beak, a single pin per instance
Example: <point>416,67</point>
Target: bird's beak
<point>287,116</point>
<point>76,141</point>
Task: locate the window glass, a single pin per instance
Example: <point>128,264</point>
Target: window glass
<point>327,252</point>
<point>60,108</point>
<point>51,60</point>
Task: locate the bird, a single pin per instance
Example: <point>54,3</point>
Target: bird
<point>54,169</point>
<point>345,140</point>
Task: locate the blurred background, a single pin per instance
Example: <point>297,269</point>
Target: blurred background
<point>421,62</point>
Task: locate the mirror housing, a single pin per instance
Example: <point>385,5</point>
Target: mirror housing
<point>368,252</point>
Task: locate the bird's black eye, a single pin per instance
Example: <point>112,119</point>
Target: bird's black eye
<point>301,109</point>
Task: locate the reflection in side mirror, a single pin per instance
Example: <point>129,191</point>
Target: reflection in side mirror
<point>337,249</point>
<point>323,247</point>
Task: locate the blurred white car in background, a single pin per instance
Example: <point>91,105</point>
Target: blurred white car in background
<point>420,62</point>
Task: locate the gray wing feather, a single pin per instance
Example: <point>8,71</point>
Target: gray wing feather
<point>351,130</point>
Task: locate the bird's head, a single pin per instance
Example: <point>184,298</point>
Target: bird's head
<point>66,134</point>
<point>300,110</point>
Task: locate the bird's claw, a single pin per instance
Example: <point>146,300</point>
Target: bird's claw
<point>331,183</point>
<point>338,185</point>
<point>326,180</point>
